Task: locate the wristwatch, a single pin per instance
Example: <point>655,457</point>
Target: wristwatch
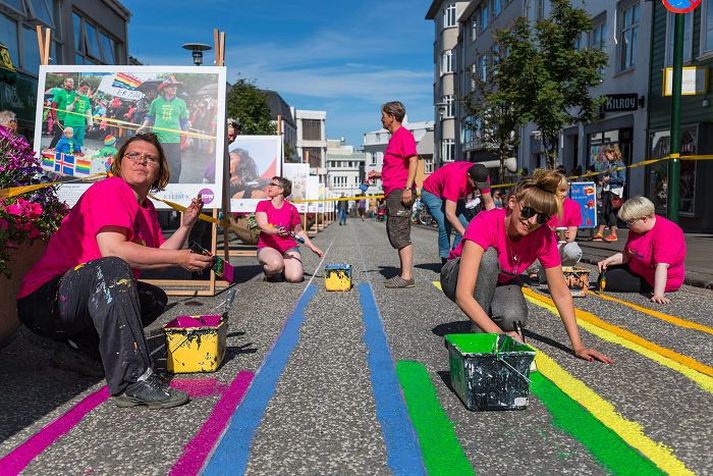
<point>408,188</point>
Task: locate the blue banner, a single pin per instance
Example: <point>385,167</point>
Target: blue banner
<point>585,194</point>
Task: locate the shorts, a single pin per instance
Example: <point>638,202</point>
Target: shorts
<point>398,224</point>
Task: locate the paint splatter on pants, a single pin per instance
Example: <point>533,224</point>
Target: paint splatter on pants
<point>101,307</point>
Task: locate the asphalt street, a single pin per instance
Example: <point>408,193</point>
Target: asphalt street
<point>310,385</point>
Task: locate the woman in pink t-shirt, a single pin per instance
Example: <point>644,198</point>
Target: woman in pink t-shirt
<point>280,224</point>
<point>482,274</point>
<point>83,290</point>
<point>653,257</point>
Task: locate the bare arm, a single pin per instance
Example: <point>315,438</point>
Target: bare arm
<point>613,260</point>
<point>571,233</point>
<point>660,278</point>
<point>453,218</point>
<point>299,231</point>
<point>488,202</point>
<point>265,227</point>
<point>412,167</point>
<point>565,306</point>
<point>188,219</point>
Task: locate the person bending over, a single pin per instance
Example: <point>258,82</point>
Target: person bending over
<point>443,194</point>
<point>279,222</point>
<point>84,289</point>
<point>482,275</point>
<point>653,256</point>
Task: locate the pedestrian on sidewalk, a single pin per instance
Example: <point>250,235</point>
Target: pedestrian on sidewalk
<point>443,194</point>
<point>83,291</point>
<point>612,180</point>
<point>482,275</point>
<point>361,208</point>
<point>342,208</point>
<point>280,223</point>
<point>653,256</point>
<point>398,175</point>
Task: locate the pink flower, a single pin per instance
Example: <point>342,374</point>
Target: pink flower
<point>14,209</point>
<point>35,209</point>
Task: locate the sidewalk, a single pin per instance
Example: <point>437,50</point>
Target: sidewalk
<point>699,256</point>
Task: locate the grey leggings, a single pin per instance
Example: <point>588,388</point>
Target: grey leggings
<point>504,303</point>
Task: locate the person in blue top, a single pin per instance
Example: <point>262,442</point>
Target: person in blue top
<point>68,144</point>
<point>611,180</point>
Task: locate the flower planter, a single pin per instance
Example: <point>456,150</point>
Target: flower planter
<point>23,258</point>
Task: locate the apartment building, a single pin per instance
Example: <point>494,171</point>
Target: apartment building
<point>345,168</point>
<point>312,140</point>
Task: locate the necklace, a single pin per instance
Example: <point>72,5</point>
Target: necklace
<point>513,258</point>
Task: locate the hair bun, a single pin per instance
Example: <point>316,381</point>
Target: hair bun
<point>547,180</point>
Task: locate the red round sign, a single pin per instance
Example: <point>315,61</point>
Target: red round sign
<point>681,6</point>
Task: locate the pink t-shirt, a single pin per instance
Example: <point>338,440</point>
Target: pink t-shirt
<point>488,229</point>
<point>287,217</point>
<point>450,182</point>
<point>401,147</point>
<point>571,215</point>
<point>110,202</point>
<point>664,243</point>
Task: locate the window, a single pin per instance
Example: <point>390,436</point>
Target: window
<point>539,10</point>
<point>447,62</point>
<point>41,11</point>
<point>92,44</point>
<point>474,25</point>
<point>448,150</point>
<point>8,33</point>
<point>628,36</point>
<point>17,31</point>
<point>484,16</point>
<point>448,110</point>
<point>311,129</point>
<point>428,165</point>
<point>313,156</point>
<point>449,16</point>
<point>473,76</point>
<point>497,7</point>
<point>108,49</point>
<point>598,34</point>
<point>687,37</point>
<point>30,50</point>
<point>707,27</point>
<point>483,68</point>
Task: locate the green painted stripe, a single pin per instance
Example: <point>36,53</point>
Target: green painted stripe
<point>606,446</point>
<point>442,452</point>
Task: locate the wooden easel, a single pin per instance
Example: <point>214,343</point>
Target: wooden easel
<point>43,41</point>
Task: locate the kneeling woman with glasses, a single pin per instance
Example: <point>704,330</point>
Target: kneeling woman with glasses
<point>482,274</point>
<point>653,256</point>
<point>279,222</point>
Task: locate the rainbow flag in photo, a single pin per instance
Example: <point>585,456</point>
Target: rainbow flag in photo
<point>126,81</point>
<point>48,158</point>
<point>83,166</point>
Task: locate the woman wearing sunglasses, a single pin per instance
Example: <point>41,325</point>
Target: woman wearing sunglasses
<point>279,223</point>
<point>482,274</point>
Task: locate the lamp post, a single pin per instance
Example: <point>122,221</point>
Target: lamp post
<point>197,49</point>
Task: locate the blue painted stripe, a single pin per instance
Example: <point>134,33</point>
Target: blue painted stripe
<point>402,448</point>
<point>233,452</point>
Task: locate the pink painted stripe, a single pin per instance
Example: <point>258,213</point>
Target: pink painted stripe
<point>21,456</point>
<point>201,446</point>
<point>200,388</point>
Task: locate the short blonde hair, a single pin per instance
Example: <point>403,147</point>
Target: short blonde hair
<point>396,109</point>
<point>635,208</point>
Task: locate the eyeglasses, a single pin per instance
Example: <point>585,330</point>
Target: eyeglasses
<point>529,212</point>
<point>137,157</point>
<point>631,222</point>
<point>274,185</point>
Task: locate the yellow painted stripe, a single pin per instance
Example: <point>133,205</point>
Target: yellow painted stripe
<point>437,284</point>
<point>659,315</point>
<point>704,382</point>
<point>583,316</point>
<point>631,432</point>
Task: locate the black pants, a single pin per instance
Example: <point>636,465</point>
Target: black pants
<point>101,307</point>
<point>621,279</point>
<point>607,214</point>
<point>58,133</point>
<point>173,156</point>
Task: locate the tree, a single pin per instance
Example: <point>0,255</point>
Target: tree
<point>544,76</point>
<point>248,105</point>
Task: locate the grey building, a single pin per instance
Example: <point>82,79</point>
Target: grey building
<point>83,32</point>
<point>279,107</point>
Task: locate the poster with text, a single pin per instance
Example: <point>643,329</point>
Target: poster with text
<point>85,114</point>
<point>254,160</point>
<point>298,175</point>
<point>585,194</point>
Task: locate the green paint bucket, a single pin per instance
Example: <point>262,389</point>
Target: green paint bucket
<point>490,371</point>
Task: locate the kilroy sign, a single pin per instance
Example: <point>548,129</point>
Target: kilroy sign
<point>681,6</point>
<point>620,102</point>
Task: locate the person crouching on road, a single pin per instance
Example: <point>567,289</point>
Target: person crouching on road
<point>398,176</point>
<point>279,222</point>
<point>482,274</point>
<point>83,290</point>
<point>653,256</point>
<point>443,194</point>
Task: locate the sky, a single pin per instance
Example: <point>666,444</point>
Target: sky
<point>346,57</point>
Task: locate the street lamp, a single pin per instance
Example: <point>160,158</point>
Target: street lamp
<point>197,49</point>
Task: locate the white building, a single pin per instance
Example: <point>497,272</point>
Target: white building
<point>345,168</point>
<point>375,143</point>
<point>312,140</point>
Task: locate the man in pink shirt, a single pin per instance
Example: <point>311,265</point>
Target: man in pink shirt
<point>398,175</point>
<point>653,257</point>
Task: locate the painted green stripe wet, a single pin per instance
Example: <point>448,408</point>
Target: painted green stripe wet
<point>442,452</point>
<point>605,445</point>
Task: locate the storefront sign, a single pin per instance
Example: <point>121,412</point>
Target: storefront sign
<point>5,59</point>
<point>695,81</point>
<point>621,102</point>
<point>585,194</point>
<point>681,6</point>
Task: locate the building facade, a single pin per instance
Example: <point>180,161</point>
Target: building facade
<point>312,140</point>
<point>696,198</point>
<point>83,32</point>
<point>444,14</point>
<point>345,168</point>
<point>280,109</point>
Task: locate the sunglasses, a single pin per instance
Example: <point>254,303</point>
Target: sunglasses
<point>529,212</point>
